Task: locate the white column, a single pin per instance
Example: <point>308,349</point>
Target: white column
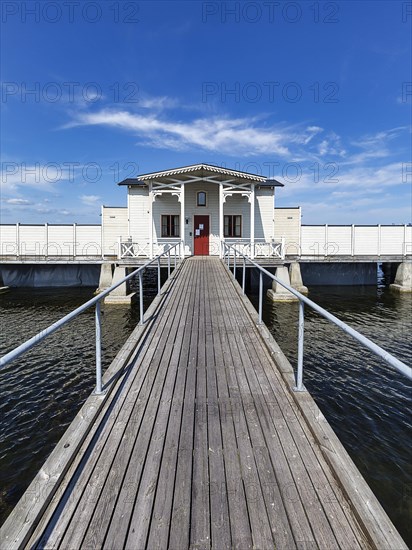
<point>221,222</point>
<point>252,220</point>
<point>352,241</point>
<point>46,240</point>
<point>182,218</point>
<point>404,251</point>
<point>151,220</point>
<point>379,239</point>
<point>74,240</point>
<point>102,231</point>
<point>18,239</point>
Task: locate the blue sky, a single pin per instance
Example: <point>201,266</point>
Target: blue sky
<point>315,94</point>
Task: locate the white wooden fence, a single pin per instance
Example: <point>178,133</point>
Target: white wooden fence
<point>354,240</point>
<point>49,240</point>
<point>20,241</point>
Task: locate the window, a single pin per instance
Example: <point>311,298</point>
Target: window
<point>170,225</point>
<point>201,198</point>
<point>233,226</point>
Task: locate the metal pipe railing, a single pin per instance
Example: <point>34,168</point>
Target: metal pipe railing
<point>366,342</point>
<point>31,342</point>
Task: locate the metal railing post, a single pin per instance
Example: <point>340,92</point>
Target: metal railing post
<point>158,276</point>
<point>98,322</point>
<point>168,263</point>
<point>175,256</point>
<point>234,263</point>
<point>141,322</point>
<point>301,329</point>
<point>244,275</point>
<point>228,257</point>
<point>260,296</point>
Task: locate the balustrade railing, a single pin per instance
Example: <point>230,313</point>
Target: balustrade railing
<point>130,249</point>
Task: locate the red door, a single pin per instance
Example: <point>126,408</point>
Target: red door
<point>201,235</point>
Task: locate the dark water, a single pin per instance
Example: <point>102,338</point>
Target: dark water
<point>367,403</point>
<point>42,391</point>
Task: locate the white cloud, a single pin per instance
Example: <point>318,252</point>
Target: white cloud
<point>158,103</point>
<point>15,175</point>
<point>90,199</point>
<point>233,136</point>
<point>17,202</point>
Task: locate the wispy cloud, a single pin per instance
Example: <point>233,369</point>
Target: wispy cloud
<point>44,177</point>
<point>17,202</point>
<point>232,136</point>
<point>90,199</point>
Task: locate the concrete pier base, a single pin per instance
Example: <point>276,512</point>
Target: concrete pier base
<point>389,270</point>
<point>403,279</point>
<point>121,294</point>
<point>278,293</point>
<point>106,277</point>
<point>296,278</point>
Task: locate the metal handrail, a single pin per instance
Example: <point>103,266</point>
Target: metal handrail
<point>28,344</point>
<point>377,350</point>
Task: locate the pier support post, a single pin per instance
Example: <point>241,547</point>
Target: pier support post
<point>278,293</point>
<point>403,279</point>
<point>296,278</point>
<point>106,276</point>
<point>120,295</point>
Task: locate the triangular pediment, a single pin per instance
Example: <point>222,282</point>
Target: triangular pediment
<point>195,172</point>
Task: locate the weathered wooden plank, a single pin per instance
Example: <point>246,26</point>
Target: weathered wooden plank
<point>142,509</point>
<point>259,521</point>
<point>233,489</point>
<point>228,409</point>
<point>270,484</point>
<point>162,509</point>
<point>179,535</point>
<point>200,513</point>
<point>219,508</point>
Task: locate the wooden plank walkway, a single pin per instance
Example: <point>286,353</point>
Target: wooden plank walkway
<point>201,445</point>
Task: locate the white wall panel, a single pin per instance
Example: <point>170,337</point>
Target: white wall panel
<point>115,226</point>
<point>287,225</point>
<point>8,239</point>
<point>32,240</point>
<point>339,240</point>
<point>264,214</point>
<point>313,239</point>
<point>366,239</point>
<point>139,219</point>
<point>88,240</point>
<point>392,238</point>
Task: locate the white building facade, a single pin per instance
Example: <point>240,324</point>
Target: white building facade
<point>199,206</point>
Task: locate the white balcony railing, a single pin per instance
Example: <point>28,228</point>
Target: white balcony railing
<point>130,249</point>
<point>261,248</point>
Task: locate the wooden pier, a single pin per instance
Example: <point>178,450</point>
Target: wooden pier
<point>199,442</point>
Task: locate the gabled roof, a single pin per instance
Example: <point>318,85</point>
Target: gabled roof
<point>201,170</point>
